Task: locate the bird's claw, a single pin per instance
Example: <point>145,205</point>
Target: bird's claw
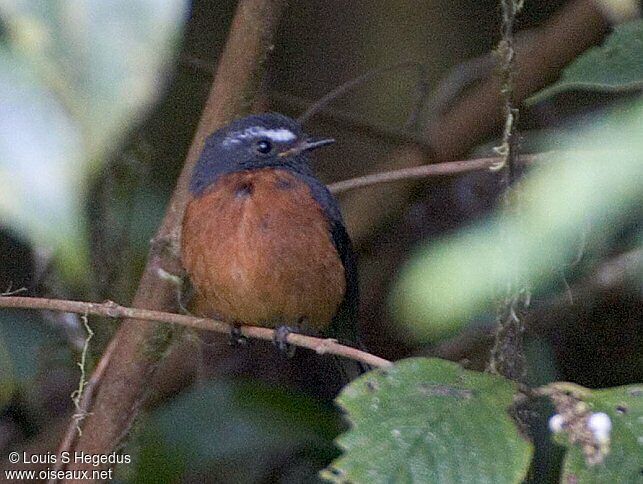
<point>281,341</point>
<point>236,337</point>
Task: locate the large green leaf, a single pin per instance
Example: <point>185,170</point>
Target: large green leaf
<point>617,65</point>
<point>41,163</point>
<point>74,77</point>
<point>241,429</point>
<point>429,420</point>
<point>622,457</point>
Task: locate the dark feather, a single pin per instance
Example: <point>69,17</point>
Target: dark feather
<point>344,326</point>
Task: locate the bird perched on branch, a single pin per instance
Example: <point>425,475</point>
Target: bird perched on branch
<point>263,240</point>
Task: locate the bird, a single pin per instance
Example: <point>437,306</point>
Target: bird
<point>263,240</point>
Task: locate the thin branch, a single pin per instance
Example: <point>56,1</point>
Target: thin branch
<point>347,86</point>
<point>424,171</point>
<point>110,309</point>
<point>350,122</point>
<point>77,395</point>
<point>506,52</point>
<point>507,356</point>
<point>454,84</point>
<point>83,404</point>
<point>344,120</point>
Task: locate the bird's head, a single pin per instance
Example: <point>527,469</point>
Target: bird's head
<point>257,141</point>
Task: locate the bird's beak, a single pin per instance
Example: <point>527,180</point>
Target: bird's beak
<point>306,145</point>
<point>314,143</point>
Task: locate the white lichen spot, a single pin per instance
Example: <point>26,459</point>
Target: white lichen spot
<point>601,425</point>
<point>556,423</point>
<point>168,276</point>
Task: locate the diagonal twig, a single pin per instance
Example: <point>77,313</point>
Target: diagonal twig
<point>136,349</point>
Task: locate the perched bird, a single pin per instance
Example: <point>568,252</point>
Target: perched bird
<point>263,240</point>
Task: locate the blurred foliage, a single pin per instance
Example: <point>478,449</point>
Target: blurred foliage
<point>624,460</point>
<point>73,79</point>
<point>429,420</point>
<point>581,195</point>
<point>27,346</point>
<point>245,430</point>
<point>617,65</point>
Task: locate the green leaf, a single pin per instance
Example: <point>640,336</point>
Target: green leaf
<point>40,163</point>
<point>582,195</point>
<point>234,422</point>
<point>623,459</point>
<point>429,420</point>
<point>74,78</point>
<point>617,65</point>
<point>102,60</point>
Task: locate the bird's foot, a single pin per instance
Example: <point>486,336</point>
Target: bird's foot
<point>185,295</point>
<point>280,340</point>
<point>236,337</point>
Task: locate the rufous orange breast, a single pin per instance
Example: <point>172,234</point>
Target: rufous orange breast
<point>259,251</point>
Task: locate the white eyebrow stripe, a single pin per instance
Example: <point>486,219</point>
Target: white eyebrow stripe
<point>278,135</point>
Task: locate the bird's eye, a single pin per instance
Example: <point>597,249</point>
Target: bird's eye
<point>263,146</point>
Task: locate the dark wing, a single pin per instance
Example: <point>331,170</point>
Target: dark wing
<point>344,324</point>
